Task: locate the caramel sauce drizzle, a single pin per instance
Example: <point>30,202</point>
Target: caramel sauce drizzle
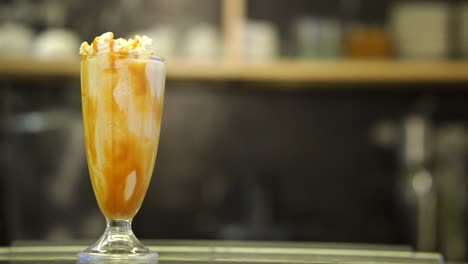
<point>123,150</point>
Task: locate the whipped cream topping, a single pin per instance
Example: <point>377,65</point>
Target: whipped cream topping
<point>107,43</point>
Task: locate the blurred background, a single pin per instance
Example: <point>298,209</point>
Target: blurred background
<point>299,120</point>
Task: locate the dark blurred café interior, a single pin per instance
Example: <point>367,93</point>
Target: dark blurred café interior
<point>339,121</point>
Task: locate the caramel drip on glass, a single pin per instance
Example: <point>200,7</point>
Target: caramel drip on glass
<point>118,137</point>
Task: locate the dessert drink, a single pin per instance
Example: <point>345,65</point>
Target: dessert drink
<point>122,91</point>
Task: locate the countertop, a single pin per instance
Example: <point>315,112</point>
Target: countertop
<point>187,251</point>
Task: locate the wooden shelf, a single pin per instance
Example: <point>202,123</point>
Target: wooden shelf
<point>344,71</point>
<point>234,68</point>
<point>325,71</point>
<point>20,68</point>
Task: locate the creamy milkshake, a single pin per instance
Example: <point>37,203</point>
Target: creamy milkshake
<point>122,90</point>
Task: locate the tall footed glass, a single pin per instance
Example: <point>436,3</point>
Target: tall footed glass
<point>122,98</point>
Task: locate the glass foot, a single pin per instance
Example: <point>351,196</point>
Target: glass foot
<point>118,244</point>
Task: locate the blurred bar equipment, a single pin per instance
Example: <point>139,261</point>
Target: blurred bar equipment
<point>451,175</point>
<point>432,182</point>
<point>462,35</point>
<point>48,163</point>
<point>416,180</point>
<point>4,166</point>
<point>416,186</point>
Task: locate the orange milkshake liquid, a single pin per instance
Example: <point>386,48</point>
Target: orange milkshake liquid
<point>122,97</point>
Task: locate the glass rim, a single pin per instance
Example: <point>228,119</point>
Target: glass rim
<point>146,56</point>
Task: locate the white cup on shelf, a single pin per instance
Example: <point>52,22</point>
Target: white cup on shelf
<point>202,41</point>
<point>261,41</point>
<point>15,40</point>
<point>307,31</point>
<point>56,44</point>
<point>421,29</point>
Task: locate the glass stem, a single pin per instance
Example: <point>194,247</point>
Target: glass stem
<point>117,226</point>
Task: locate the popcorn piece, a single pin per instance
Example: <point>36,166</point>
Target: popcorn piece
<point>107,43</point>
